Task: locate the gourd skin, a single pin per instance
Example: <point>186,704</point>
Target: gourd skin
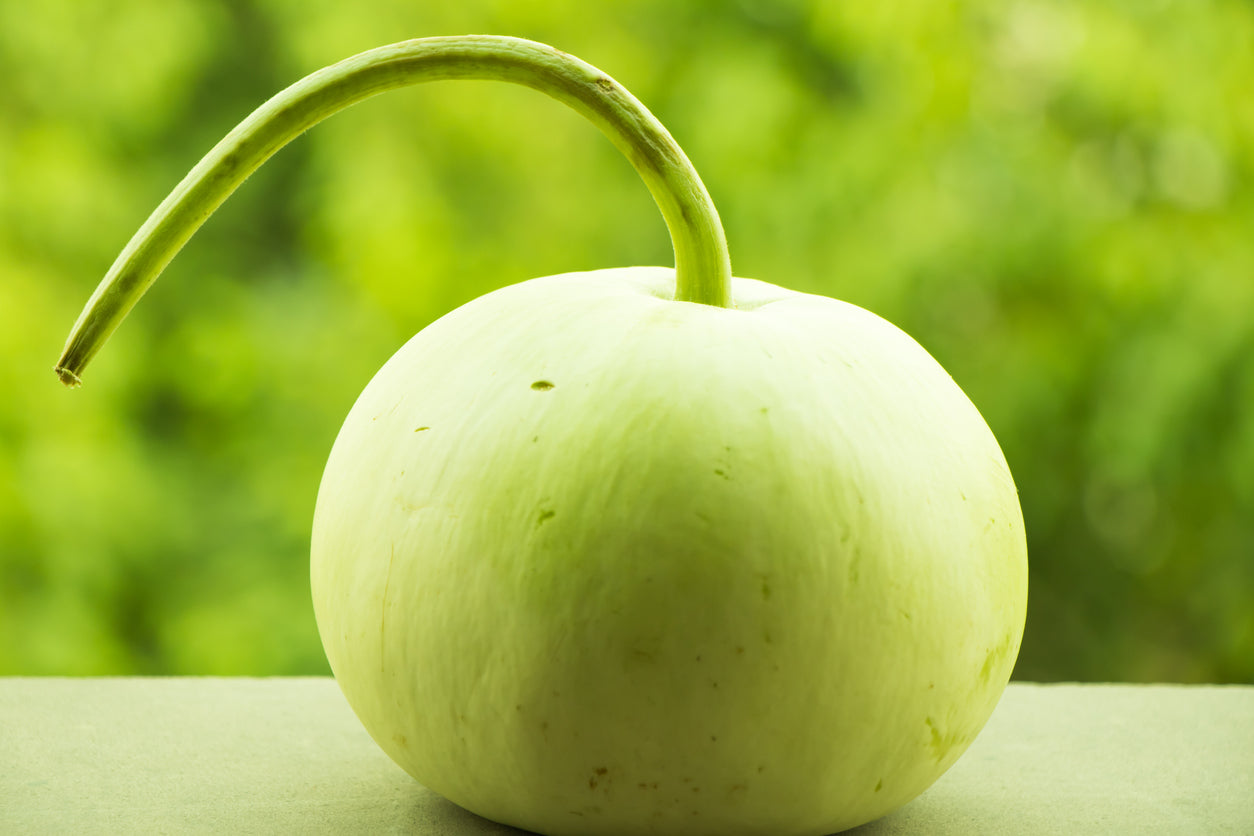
<point>587,560</point>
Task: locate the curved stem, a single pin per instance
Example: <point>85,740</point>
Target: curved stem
<point>703,271</point>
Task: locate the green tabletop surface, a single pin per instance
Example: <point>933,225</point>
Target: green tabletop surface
<point>238,756</point>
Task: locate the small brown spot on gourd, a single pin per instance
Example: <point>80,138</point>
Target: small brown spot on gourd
<point>545,516</point>
<point>420,429</point>
<point>542,385</point>
<point>879,786</point>
<point>400,740</point>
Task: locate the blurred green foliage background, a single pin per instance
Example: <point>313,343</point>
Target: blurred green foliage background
<point>1054,198</point>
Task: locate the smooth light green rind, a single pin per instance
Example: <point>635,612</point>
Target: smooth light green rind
<point>723,571</point>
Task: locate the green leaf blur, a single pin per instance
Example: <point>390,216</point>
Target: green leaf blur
<point>1054,198</point>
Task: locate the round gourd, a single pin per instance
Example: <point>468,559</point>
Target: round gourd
<point>588,560</point>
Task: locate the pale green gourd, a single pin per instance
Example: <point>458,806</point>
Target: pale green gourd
<point>590,560</point>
